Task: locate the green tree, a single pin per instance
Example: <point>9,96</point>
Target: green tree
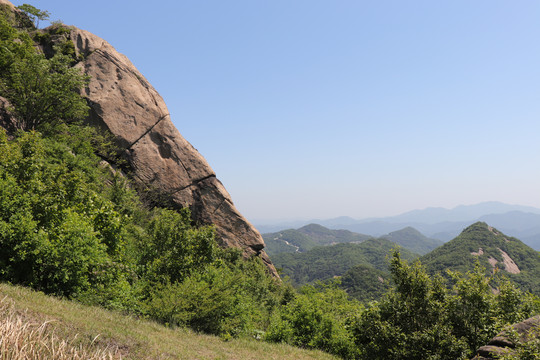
<point>423,317</point>
<point>408,323</point>
<point>56,231</point>
<point>316,317</point>
<point>44,91</point>
<point>40,90</point>
<point>34,13</point>
<point>174,248</point>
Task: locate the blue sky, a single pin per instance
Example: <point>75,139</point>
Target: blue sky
<point>317,109</point>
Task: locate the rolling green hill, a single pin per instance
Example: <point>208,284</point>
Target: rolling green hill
<point>325,262</point>
<point>308,237</point>
<point>411,239</point>
<point>493,250</point>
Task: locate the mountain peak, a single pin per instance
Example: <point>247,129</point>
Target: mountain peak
<point>164,166</point>
<point>493,249</point>
<point>481,229</point>
<point>479,225</point>
<point>314,228</point>
<point>407,230</point>
<point>414,240</point>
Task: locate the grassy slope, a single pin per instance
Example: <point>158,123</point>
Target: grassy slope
<point>139,339</point>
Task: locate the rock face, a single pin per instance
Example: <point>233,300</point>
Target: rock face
<point>122,101</point>
<point>5,2</point>
<point>161,161</point>
<point>502,344</point>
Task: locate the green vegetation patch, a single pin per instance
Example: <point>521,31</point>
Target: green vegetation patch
<point>325,262</point>
<point>480,242</point>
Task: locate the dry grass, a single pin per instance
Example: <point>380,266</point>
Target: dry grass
<point>22,338</point>
<point>115,336</point>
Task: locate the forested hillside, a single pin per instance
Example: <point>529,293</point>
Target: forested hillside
<point>313,235</point>
<point>326,262</point>
<point>308,237</point>
<point>491,249</point>
<point>411,239</point>
<point>73,225</point>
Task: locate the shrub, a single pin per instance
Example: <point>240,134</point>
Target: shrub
<point>174,248</point>
<point>57,230</point>
<point>316,318</point>
<point>212,302</point>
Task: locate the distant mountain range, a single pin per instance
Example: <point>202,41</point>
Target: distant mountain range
<point>313,235</point>
<point>522,222</point>
<point>308,237</point>
<point>363,269</point>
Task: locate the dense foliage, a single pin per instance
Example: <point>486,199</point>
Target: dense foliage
<point>421,317</point>
<point>62,232</point>
<point>365,283</point>
<point>325,262</point>
<point>40,90</point>
<point>71,225</point>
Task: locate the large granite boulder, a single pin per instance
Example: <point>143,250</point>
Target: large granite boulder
<point>161,161</point>
<point>504,344</point>
<point>122,101</point>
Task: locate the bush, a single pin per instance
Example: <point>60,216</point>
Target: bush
<point>56,229</point>
<point>211,302</point>
<point>316,318</point>
<point>174,248</point>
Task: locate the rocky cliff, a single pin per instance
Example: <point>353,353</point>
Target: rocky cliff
<point>160,159</point>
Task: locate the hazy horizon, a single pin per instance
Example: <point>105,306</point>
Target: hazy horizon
<point>315,109</point>
<point>272,221</point>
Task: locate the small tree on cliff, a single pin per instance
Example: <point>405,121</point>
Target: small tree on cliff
<point>34,13</point>
<point>40,90</point>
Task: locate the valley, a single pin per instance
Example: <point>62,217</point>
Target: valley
<point>315,253</point>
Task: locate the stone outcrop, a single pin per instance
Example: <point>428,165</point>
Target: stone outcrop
<point>5,2</point>
<point>503,344</point>
<point>162,163</point>
<point>122,101</point>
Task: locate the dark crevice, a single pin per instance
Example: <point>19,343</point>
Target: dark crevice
<point>219,206</point>
<point>144,83</point>
<point>193,183</point>
<point>147,131</point>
